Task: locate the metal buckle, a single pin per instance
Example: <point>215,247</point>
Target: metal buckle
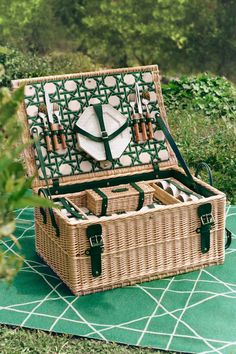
<point>96,240</point>
<point>207,219</point>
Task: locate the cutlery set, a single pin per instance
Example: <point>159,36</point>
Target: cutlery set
<point>54,134</point>
<point>142,121</point>
<point>52,130</point>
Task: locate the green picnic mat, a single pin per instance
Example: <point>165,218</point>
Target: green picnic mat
<point>194,312</point>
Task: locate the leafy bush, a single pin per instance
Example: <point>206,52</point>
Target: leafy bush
<point>214,97</point>
<point>19,65</point>
<point>13,184</point>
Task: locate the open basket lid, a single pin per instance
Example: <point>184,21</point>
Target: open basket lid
<point>74,94</point>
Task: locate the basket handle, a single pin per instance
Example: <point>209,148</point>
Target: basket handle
<point>203,165</point>
<point>119,190</point>
<point>228,238</point>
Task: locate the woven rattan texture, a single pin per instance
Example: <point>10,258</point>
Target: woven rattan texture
<point>73,95</point>
<point>138,246</point>
<point>126,200</point>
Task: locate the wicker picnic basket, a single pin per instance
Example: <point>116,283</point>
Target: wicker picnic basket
<point>93,253</point>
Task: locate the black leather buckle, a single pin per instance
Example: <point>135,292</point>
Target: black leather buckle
<point>207,221</point>
<point>94,234</point>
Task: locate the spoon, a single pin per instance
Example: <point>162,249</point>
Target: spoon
<point>42,114</point>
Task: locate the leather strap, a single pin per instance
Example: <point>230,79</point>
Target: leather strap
<point>51,213</point>
<point>98,138</point>
<point>99,113</point>
<point>104,200</point>
<point>205,214</point>
<point>174,147</point>
<point>94,234</point>
<point>141,195</point>
<point>66,205</point>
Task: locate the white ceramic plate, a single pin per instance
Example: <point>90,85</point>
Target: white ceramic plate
<point>113,120</point>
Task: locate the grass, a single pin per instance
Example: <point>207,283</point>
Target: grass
<point>19,340</point>
<point>202,138</point>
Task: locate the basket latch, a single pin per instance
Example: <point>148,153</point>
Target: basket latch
<point>94,234</point>
<point>55,185</point>
<point>207,221</point>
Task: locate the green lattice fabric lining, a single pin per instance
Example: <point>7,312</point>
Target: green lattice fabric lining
<point>73,95</point>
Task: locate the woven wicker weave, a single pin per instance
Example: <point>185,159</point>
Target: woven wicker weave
<point>121,198</point>
<point>138,245</point>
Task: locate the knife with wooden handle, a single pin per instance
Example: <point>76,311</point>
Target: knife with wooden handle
<point>140,111</point>
<point>56,110</point>
<point>53,126</point>
<point>135,117</point>
<point>46,131</point>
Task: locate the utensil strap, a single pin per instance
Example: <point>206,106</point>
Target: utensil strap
<point>99,139</point>
<point>99,114</point>
<point>174,147</point>
<point>141,195</point>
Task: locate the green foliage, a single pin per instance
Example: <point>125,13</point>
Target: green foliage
<point>182,36</point>
<point>19,65</point>
<point>215,97</point>
<point>13,184</point>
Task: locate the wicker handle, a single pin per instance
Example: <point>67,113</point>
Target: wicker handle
<point>119,190</point>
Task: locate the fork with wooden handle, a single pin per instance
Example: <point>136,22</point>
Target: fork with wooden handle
<point>145,101</point>
<point>56,111</point>
<point>135,117</point>
<point>42,114</point>
<point>53,126</point>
